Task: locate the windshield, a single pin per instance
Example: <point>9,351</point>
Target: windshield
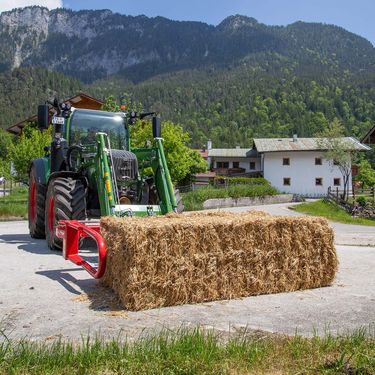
<point>86,123</point>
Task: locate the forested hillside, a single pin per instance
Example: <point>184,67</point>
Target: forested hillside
<point>23,89</point>
<point>232,106</point>
<point>238,80</point>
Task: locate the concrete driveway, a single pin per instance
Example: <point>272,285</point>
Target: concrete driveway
<point>43,296</point>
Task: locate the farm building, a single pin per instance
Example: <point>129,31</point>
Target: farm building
<point>297,165</point>
<point>232,161</point>
<point>369,138</point>
<point>292,165</point>
<point>78,101</point>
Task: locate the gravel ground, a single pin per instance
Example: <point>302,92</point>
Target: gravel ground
<point>42,296</point>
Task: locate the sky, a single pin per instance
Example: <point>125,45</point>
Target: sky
<point>354,15</point>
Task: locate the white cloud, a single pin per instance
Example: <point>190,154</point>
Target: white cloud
<point>11,4</point>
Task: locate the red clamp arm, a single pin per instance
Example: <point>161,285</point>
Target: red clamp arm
<point>71,231</point>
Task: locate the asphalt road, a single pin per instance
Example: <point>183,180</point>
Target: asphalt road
<point>42,296</point>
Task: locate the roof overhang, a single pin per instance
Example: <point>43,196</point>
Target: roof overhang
<point>369,138</point>
<point>272,145</point>
<point>80,100</point>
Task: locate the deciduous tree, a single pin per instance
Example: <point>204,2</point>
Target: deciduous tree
<point>29,146</point>
<point>339,151</point>
<point>366,174</point>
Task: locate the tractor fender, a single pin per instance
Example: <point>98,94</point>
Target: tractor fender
<point>67,174</point>
<point>41,170</point>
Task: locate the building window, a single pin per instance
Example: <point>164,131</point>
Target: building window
<point>286,181</point>
<point>337,181</point>
<point>252,165</point>
<point>236,164</point>
<point>286,161</point>
<point>318,161</point>
<point>318,181</point>
<point>335,162</point>
<point>222,164</point>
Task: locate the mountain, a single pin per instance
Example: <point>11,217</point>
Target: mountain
<point>231,82</point>
<point>90,45</point>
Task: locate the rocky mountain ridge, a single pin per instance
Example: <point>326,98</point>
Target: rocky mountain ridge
<point>93,44</point>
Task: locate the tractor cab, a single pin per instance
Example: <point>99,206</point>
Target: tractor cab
<point>84,124</point>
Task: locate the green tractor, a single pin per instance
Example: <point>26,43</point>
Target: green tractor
<point>90,170</point>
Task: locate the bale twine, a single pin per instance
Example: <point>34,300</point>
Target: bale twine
<point>178,259</point>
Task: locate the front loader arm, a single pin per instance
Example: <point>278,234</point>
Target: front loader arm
<point>107,199</point>
<point>163,180</point>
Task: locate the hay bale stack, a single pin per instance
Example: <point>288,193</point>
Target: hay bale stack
<point>178,259</point>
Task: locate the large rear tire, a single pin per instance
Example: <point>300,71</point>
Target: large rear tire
<point>66,200</point>
<point>36,206</point>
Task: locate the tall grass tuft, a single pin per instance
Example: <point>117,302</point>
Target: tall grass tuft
<point>193,352</point>
<point>14,205</point>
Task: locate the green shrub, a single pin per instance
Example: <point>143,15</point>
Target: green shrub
<point>362,201</point>
<point>193,200</point>
<point>240,180</point>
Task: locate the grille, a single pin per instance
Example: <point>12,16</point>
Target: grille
<point>125,164</point>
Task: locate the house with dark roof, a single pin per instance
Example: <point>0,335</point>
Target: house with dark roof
<point>234,161</point>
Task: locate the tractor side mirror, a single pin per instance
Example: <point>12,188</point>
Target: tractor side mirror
<point>156,127</point>
<point>43,114</point>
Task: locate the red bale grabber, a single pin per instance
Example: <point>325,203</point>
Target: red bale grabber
<point>71,231</point>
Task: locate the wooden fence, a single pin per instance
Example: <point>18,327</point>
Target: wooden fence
<point>369,194</point>
<point>336,196</point>
<point>7,186</point>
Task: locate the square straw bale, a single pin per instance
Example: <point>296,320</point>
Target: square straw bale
<point>178,259</point>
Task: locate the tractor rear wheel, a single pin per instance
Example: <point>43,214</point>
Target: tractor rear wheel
<point>37,198</point>
<point>66,200</point>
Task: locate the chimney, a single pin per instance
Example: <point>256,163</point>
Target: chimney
<point>209,144</point>
<point>295,138</point>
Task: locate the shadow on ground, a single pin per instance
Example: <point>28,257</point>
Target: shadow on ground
<point>28,244</point>
<point>85,290</point>
<point>89,290</point>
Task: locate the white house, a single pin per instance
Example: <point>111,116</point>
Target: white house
<point>292,165</point>
<point>297,165</point>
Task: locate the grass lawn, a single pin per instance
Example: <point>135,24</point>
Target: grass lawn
<point>14,205</point>
<point>194,352</point>
<point>331,212</point>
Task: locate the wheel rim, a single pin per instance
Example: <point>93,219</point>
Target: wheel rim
<point>33,201</point>
<point>51,215</point>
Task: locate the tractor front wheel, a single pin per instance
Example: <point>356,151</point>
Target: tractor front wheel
<point>66,200</point>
